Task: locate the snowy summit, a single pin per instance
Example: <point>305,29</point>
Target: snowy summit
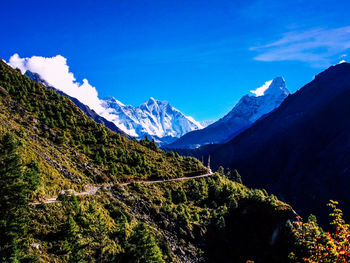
<point>154,118</point>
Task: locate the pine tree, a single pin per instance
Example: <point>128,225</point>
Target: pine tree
<point>17,183</point>
<point>221,171</point>
<point>143,246</point>
<point>236,177</point>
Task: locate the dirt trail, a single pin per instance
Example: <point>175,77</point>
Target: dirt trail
<point>91,190</point>
<point>168,180</point>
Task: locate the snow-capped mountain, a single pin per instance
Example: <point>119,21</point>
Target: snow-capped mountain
<point>265,99</point>
<point>249,108</point>
<point>157,119</point>
<point>154,118</point>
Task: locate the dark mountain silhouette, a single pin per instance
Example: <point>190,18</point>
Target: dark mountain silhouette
<point>301,151</point>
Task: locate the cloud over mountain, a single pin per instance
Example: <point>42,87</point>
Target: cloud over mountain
<point>55,71</point>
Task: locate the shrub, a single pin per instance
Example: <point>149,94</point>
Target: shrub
<point>316,245</point>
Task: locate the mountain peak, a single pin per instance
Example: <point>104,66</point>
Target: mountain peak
<point>36,77</point>
<point>153,101</point>
<point>272,87</point>
<point>114,100</point>
<point>338,69</point>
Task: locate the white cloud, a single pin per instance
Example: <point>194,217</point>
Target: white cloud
<point>55,71</point>
<point>342,61</point>
<point>318,46</point>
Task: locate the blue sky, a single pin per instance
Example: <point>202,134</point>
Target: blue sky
<point>201,56</point>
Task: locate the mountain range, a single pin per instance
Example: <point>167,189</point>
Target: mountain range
<point>154,118</point>
<point>298,143</point>
<point>248,109</point>
<point>165,124</point>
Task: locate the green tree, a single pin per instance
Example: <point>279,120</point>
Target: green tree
<point>221,170</point>
<point>18,180</point>
<point>179,195</point>
<point>236,177</point>
<point>315,245</point>
<point>143,247</point>
<point>71,242</point>
<point>71,228</point>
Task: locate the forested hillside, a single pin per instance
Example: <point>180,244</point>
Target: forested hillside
<point>187,221</point>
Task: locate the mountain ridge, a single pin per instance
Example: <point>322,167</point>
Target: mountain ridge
<point>247,110</point>
<point>154,118</point>
<point>86,109</point>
